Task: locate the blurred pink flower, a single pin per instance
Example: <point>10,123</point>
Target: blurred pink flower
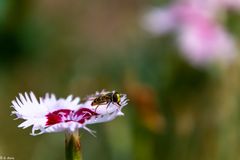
<point>200,37</point>
<point>206,43</point>
<point>159,21</point>
<point>214,6</point>
<point>224,4</point>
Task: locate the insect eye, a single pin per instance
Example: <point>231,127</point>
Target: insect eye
<point>115,97</point>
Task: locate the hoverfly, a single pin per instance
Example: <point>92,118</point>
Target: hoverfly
<point>108,98</point>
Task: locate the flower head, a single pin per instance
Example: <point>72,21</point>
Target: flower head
<point>201,38</point>
<point>205,42</point>
<point>50,114</point>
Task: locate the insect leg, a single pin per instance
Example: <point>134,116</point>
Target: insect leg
<point>108,105</point>
<point>96,108</point>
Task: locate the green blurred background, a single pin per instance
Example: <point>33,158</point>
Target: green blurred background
<point>78,47</point>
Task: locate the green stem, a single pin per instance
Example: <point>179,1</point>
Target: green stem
<point>72,146</point>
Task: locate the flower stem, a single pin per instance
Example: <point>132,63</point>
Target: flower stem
<point>72,146</point>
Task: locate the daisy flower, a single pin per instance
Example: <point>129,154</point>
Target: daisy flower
<point>49,114</point>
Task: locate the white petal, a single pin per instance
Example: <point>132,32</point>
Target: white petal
<point>22,98</point>
<point>33,98</point>
<point>27,97</point>
<point>19,102</point>
<point>69,98</point>
<point>101,118</point>
<point>76,101</point>
<point>25,124</point>
<point>70,126</point>
<point>120,113</point>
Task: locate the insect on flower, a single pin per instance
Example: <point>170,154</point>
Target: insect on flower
<point>49,114</point>
<point>107,99</point>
